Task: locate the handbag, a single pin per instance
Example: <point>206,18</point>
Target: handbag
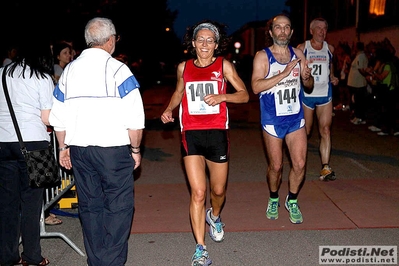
<point>42,166</point>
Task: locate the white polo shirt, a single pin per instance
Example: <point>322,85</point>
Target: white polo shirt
<point>97,100</point>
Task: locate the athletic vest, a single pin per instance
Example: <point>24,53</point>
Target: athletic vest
<point>194,113</point>
<point>282,103</point>
<point>319,62</point>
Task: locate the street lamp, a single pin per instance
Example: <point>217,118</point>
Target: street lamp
<point>237,45</point>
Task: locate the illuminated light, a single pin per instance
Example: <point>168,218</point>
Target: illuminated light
<point>377,7</point>
<point>167,29</point>
<point>237,45</point>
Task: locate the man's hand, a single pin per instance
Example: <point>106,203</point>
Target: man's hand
<point>65,159</point>
<point>137,159</point>
<point>167,117</point>
<point>334,80</point>
<point>307,71</point>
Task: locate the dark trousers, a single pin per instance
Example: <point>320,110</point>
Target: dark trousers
<point>105,189</point>
<point>388,111</point>
<point>360,101</point>
<point>20,206</point>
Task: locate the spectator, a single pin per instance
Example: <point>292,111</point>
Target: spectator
<point>123,58</point>
<point>357,85</point>
<point>98,117</point>
<point>62,57</point>
<point>342,66</point>
<point>30,88</point>
<point>12,53</point>
<point>386,94</point>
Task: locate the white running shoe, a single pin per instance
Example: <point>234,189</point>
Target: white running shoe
<point>216,231</point>
<point>374,129</point>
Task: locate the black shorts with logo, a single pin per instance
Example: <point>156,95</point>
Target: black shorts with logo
<point>213,144</point>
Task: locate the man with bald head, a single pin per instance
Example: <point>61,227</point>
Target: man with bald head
<point>278,71</point>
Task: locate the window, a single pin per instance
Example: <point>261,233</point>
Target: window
<point>377,7</point>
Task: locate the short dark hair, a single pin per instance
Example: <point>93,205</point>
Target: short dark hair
<point>58,47</point>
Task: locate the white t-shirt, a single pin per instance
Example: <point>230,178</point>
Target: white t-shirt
<point>58,70</point>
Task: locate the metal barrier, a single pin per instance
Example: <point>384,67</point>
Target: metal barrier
<point>53,195</point>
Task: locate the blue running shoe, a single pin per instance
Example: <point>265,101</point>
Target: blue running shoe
<point>216,231</point>
<point>200,257</point>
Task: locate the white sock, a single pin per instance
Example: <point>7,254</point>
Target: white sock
<point>214,218</point>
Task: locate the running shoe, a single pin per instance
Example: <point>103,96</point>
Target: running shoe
<point>374,129</point>
<point>293,208</point>
<point>338,107</point>
<point>381,133</point>
<point>358,121</point>
<point>345,108</point>
<point>327,174</point>
<point>272,209</point>
<point>216,231</point>
<point>200,257</point>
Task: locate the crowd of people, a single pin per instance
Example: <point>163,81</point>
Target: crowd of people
<point>368,89</point>
<point>94,107</point>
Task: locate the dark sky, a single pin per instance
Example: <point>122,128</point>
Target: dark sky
<point>233,13</point>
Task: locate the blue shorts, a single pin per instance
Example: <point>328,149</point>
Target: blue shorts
<point>213,144</point>
<point>312,102</point>
<point>280,131</point>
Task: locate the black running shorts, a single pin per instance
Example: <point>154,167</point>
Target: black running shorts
<point>213,144</point>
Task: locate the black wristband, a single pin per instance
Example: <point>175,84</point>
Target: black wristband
<point>63,148</point>
<point>135,150</point>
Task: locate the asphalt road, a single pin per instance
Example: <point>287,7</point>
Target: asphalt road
<point>358,209</point>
